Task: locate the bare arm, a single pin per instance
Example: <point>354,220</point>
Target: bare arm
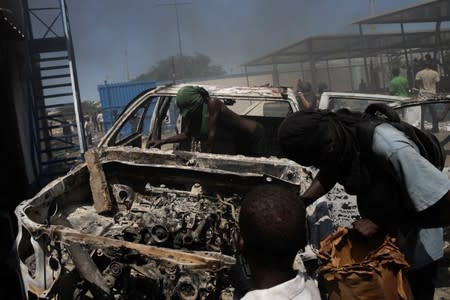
<point>305,101</point>
<point>316,190</point>
<point>417,83</point>
<point>213,109</point>
<point>172,139</point>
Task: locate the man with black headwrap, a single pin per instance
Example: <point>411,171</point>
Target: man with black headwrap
<point>203,114</point>
<point>383,163</point>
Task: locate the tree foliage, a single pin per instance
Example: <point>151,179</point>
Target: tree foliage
<point>88,107</point>
<point>91,108</point>
<point>182,67</point>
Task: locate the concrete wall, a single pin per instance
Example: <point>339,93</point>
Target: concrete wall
<point>340,79</point>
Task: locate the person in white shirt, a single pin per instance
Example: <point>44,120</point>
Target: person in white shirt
<point>88,129</point>
<point>272,231</point>
<point>427,80</point>
<point>100,122</point>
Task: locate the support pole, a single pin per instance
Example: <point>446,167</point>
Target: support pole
<point>246,75</point>
<point>275,75</point>
<point>328,75</point>
<point>312,66</point>
<point>350,68</point>
<point>408,70</point>
<point>74,79</point>
<point>389,59</point>
<point>438,45</point>
<point>364,54</point>
<point>382,70</point>
<point>303,71</point>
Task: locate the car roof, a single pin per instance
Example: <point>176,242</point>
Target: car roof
<point>367,96</point>
<point>419,101</point>
<point>280,93</point>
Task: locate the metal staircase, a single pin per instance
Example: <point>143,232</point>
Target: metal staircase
<point>59,138</point>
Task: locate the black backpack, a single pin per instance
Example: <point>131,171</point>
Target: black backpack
<point>427,142</point>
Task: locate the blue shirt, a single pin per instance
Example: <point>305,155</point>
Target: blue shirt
<point>425,185</point>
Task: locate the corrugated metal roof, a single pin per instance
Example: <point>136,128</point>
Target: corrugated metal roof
<point>329,47</point>
<point>429,11</point>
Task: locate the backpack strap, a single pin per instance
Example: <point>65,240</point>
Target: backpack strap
<point>382,109</point>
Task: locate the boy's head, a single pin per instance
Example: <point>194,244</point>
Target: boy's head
<point>272,225</point>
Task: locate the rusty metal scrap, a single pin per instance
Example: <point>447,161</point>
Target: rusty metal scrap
<point>98,183</point>
<point>195,260</point>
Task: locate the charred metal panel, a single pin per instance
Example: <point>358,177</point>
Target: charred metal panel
<point>98,184</point>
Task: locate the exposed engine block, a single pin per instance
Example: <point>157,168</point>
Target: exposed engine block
<point>171,219</point>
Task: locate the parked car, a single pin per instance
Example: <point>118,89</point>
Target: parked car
<point>355,101</point>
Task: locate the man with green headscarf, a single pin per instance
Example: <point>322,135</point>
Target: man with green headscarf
<point>203,114</point>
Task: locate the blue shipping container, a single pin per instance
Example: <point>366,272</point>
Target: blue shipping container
<point>115,97</point>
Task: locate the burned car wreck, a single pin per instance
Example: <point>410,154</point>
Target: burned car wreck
<point>134,223</point>
<point>148,230</point>
<point>138,223</point>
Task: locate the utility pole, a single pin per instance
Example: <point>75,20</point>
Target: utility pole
<point>372,12</point>
<point>174,80</point>
<point>372,7</point>
<point>126,65</point>
<point>175,4</point>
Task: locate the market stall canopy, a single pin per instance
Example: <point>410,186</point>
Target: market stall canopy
<point>330,47</point>
<point>429,11</point>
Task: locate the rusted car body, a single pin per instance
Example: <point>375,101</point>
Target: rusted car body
<point>138,223</point>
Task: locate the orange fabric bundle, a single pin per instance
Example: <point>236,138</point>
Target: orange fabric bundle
<point>354,267</point>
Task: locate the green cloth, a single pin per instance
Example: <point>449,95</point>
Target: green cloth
<point>193,104</point>
<point>189,98</point>
<point>399,86</point>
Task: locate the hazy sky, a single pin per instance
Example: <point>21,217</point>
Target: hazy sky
<point>229,31</point>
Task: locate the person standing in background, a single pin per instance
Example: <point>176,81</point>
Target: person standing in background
<point>100,122</point>
<point>398,86</point>
<point>427,80</point>
<point>306,97</point>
